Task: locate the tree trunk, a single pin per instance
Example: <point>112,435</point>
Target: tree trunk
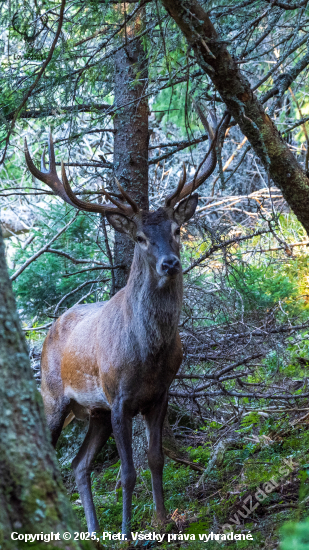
<point>139,443</point>
<point>32,497</point>
<point>213,57</point>
<point>131,169</point>
<point>131,137</point>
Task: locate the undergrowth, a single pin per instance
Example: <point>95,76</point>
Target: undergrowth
<point>279,452</point>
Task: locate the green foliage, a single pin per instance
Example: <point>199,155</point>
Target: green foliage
<point>49,278</point>
<point>261,286</point>
<point>257,463</point>
<point>176,480</point>
<point>174,108</point>
<point>295,536</point>
<point>250,419</point>
<point>199,454</point>
<point>108,501</point>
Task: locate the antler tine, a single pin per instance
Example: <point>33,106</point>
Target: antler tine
<point>32,168</point>
<point>127,197</point>
<point>51,154</point>
<point>50,177</point>
<point>93,207</point>
<point>210,127</point>
<point>63,189</point>
<point>209,163</point>
<point>169,199</point>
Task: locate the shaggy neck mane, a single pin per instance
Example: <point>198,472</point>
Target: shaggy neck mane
<point>154,307</point>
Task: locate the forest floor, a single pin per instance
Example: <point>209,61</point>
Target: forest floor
<point>257,482</point>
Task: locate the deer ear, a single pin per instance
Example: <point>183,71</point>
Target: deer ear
<point>122,223</point>
<point>186,209</point>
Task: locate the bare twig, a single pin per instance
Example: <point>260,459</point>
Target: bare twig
<point>43,249</point>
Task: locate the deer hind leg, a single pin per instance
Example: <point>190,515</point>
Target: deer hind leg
<point>56,411</point>
<point>100,428</point>
<point>154,424</point>
<point>122,428</point>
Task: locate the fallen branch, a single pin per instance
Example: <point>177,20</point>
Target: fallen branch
<point>181,460</point>
<point>34,329</point>
<point>216,460</point>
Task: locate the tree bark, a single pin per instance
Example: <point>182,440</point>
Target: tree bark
<point>139,443</point>
<point>131,137</point>
<point>131,140</point>
<point>32,497</point>
<point>213,57</point>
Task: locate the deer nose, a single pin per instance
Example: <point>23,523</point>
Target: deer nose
<point>170,265</point>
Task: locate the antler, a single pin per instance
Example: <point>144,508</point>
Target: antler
<point>169,201</point>
<point>63,188</point>
<point>127,197</point>
<point>184,189</point>
<point>49,177</point>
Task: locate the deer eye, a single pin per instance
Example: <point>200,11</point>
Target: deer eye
<point>177,232</point>
<point>141,240</point>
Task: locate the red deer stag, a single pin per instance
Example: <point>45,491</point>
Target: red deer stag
<point>111,360</point>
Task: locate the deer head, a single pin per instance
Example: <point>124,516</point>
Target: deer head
<point>156,234</point>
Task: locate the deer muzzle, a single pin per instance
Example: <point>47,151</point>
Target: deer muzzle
<point>169,266</point>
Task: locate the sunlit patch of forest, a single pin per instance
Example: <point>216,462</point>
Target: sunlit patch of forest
<point>236,441</point>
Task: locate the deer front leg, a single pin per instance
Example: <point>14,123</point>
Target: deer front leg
<point>99,430</point>
<point>122,429</point>
<point>154,424</point>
